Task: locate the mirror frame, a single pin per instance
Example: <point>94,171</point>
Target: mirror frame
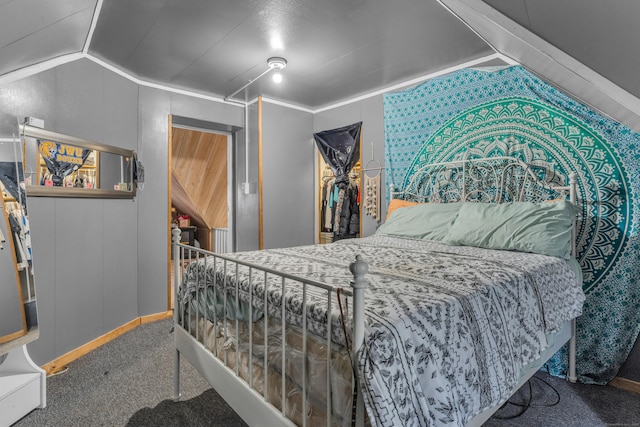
<point>42,191</point>
<point>25,276</point>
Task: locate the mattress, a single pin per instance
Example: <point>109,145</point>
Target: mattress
<point>447,328</point>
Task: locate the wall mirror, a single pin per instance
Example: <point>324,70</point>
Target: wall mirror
<point>59,165</point>
<point>18,314</point>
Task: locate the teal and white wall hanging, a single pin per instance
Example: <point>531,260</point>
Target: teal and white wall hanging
<point>509,111</point>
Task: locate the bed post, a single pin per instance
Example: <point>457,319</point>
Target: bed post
<point>572,377</point>
<point>359,269</point>
<point>176,233</point>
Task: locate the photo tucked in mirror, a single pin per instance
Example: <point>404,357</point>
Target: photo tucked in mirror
<point>18,314</point>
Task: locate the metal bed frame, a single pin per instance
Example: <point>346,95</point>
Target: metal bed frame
<point>252,406</point>
<point>494,179</point>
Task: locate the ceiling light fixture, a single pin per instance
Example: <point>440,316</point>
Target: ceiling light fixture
<point>274,63</point>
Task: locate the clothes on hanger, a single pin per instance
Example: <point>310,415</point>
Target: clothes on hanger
<point>340,207</point>
<point>326,221</point>
<point>19,227</point>
<point>347,217</point>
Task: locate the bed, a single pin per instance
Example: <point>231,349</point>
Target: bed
<point>436,319</point>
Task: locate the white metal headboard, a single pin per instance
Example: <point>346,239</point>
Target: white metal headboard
<point>493,180</point>
<point>490,180</point>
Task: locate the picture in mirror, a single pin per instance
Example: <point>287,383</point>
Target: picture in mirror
<point>66,166</point>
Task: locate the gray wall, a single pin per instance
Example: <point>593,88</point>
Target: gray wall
<point>371,113</point>
<point>154,108</point>
<point>85,251</point>
<point>287,177</point>
<point>100,263</point>
<point>247,237</point>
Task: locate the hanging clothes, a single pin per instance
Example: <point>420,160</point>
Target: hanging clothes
<point>327,205</point>
<point>16,230</point>
<point>340,149</point>
<point>26,235</point>
<point>347,218</point>
<point>19,228</point>
<point>12,178</point>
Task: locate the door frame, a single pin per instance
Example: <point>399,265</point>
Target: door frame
<point>231,169</point>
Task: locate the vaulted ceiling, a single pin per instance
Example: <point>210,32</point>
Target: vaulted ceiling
<point>603,35</point>
<point>336,49</point>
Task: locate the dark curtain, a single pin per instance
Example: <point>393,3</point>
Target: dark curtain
<point>59,169</point>
<point>340,149</point>
<point>11,175</point>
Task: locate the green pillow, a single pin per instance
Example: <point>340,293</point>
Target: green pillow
<point>543,228</point>
<point>429,221</point>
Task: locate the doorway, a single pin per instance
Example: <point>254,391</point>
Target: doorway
<point>200,189</point>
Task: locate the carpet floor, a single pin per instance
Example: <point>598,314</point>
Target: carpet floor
<point>129,382</point>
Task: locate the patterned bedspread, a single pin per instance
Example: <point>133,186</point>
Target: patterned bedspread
<point>447,329</point>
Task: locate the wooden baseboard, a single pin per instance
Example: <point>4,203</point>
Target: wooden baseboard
<point>155,317</point>
<point>60,362</point>
<point>625,384</point>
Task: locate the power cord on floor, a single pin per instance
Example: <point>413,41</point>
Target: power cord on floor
<point>529,401</point>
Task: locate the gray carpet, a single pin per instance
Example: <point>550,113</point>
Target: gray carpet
<point>578,405</point>
<point>129,382</point>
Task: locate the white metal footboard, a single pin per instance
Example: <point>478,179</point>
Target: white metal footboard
<point>241,393</point>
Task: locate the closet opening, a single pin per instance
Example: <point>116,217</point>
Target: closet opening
<point>201,183</point>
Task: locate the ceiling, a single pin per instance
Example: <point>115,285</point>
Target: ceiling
<point>336,49</point>
<point>603,35</point>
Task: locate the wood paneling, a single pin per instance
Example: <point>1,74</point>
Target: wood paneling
<point>199,164</point>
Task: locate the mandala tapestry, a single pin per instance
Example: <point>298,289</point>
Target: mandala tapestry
<point>508,111</point>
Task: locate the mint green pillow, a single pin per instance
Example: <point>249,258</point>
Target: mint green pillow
<point>543,228</point>
<point>429,221</point>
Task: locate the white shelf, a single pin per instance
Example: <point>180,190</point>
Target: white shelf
<point>22,386</point>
